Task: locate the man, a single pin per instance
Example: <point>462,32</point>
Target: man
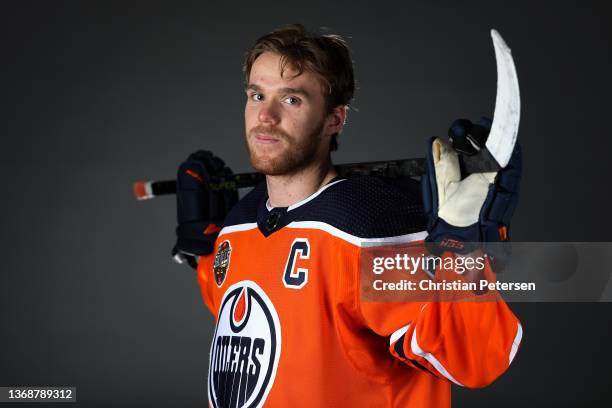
<point>282,277</point>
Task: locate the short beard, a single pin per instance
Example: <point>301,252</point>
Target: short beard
<point>298,156</point>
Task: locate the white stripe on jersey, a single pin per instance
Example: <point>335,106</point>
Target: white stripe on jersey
<point>515,343</point>
<point>238,227</point>
<point>307,199</point>
<point>414,346</point>
<point>314,195</point>
<point>358,241</point>
<point>318,225</point>
<point>396,335</point>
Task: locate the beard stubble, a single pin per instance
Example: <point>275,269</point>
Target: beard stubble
<point>296,156</point>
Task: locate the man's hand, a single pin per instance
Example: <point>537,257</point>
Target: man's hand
<point>200,211</point>
<point>464,210</point>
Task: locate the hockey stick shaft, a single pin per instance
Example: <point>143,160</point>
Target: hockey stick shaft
<point>144,190</point>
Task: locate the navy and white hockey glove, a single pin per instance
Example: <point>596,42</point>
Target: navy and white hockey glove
<point>200,211</point>
<point>466,211</point>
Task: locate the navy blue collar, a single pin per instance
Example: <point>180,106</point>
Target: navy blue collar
<point>270,220</point>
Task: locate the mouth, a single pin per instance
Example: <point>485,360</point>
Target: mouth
<point>265,139</point>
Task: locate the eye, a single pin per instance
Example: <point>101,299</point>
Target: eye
<point>257,97</point>
<point>292,100</point>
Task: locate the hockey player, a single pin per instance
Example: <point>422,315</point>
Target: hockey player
<point>280,271</point>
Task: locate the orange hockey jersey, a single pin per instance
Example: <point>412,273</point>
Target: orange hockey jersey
<point>293,331</point>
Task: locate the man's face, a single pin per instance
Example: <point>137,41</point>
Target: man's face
<point>286,124</point>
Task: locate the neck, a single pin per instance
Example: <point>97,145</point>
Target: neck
<point>285,190</point>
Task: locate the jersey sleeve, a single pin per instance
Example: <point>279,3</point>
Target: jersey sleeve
<point>467,342</point>
<point>203,274</point>
<point>463,338</point>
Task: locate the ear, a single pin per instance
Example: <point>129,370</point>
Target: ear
<point>336,119</point>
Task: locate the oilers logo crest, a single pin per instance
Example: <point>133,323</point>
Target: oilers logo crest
<point>246,348</point>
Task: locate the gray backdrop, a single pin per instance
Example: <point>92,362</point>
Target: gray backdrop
<point>100,94</point>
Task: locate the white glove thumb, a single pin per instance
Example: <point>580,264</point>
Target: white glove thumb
<point>459,201</point>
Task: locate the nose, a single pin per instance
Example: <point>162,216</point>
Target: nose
<point>269,113</point>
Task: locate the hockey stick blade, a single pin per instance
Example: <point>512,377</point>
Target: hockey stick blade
<point>145,190</point>
<point>504,129</point>
<point>506,118</point>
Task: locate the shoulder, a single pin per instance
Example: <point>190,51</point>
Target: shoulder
<point>370,207</point>
<point>245,210</point>
<point>360,206</point>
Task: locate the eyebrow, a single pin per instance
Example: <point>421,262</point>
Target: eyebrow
<point>299,91</point>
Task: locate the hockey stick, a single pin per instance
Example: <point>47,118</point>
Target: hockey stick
<point>145,190</point>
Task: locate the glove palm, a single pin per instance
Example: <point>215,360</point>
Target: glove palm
<point>467,210</point>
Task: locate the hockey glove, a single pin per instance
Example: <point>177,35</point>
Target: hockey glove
<point>465,210</point>
<point>200,210</point>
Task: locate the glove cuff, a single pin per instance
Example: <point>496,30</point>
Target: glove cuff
<point>196,238</point>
